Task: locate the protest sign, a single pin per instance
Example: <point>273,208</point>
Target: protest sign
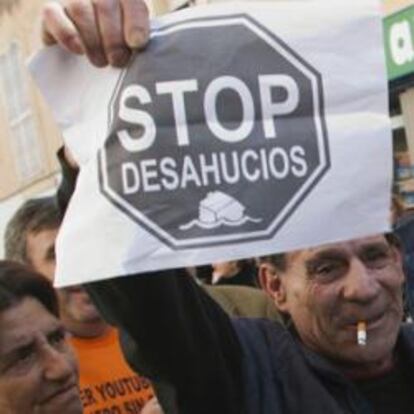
<point>241,130</point>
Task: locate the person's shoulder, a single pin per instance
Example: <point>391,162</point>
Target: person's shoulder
<point>260,336</point>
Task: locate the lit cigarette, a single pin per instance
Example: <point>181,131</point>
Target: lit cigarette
<point>362,333</point>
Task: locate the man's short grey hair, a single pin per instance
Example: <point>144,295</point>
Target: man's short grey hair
<point>34,216</point>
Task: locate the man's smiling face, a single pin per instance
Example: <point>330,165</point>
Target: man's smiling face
<point>327,290</point>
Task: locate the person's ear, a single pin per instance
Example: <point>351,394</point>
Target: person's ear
<point>270,281</point>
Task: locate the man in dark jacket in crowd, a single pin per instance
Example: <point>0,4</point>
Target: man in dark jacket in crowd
<point>344,352</point>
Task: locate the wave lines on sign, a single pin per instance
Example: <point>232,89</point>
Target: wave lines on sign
<point>221,222</point>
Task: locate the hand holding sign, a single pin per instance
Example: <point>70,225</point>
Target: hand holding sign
<point>105,30</point>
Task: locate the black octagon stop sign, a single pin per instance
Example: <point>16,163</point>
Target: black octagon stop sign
<point>216,134</point>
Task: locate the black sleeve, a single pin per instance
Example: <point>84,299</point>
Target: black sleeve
<point>183,336</point>
<point>67,183</point>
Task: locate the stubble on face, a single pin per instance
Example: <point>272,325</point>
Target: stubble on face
<point>329,289</point>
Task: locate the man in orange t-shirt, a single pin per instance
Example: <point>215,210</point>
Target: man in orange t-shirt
<point>106,381</point>
<point>107,384</point>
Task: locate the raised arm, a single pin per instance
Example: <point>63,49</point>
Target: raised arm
<point>177,334</point>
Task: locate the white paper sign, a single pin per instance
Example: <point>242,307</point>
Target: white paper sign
<point>242,130</point>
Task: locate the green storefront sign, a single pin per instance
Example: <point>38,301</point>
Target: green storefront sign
<point>399,43</point>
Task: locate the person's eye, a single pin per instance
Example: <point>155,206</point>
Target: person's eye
<point>22,361</point>
<point>327,270</point>
<point>58,338</point>
<point>376,257</point>
<point>24,356</point>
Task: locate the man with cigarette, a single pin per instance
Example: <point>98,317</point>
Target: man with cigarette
<point>344,299</point>
<point>344,350</point>
<point>318,364</point>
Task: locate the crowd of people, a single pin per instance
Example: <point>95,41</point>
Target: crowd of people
<point>318,330</point>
